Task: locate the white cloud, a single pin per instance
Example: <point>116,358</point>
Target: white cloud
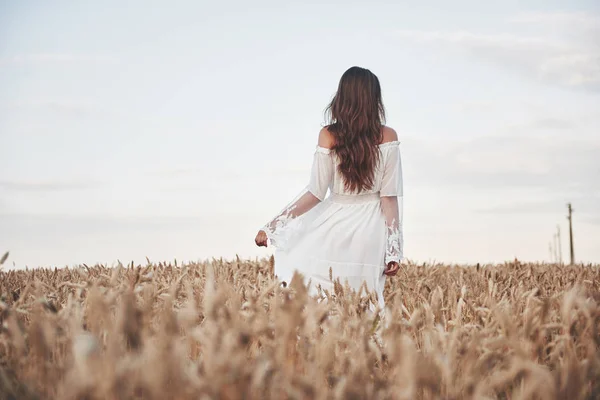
<point>575,69</point>
<point>567,60</point>
<point>46,186</point>
<point>582,23</point>
<point>553,123</point>
<point>474,106</point>
<point>555,164</point>
<point>586,207</point>
<point>71,107</point>
<point>57,58</point>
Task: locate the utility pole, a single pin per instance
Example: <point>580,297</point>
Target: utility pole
<point>570,218</point>
<point>551,252</point>
<point>555,237</point>
<point>560,261</point>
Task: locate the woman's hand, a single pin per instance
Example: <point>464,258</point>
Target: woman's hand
<point>261,239</point>
<point>392,268</point>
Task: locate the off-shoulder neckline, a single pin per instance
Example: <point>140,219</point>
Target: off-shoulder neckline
<point>387,144</point>
<point>381,145</point>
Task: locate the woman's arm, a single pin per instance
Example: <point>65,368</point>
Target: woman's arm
<point>320,179</point>
<point>304,204</point>
<point>391,205</point>
<point>393,253</point>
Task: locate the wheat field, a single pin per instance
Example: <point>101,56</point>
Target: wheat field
<point>227,330</point>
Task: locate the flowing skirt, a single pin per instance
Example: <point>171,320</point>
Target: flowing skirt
<point>343,237</point>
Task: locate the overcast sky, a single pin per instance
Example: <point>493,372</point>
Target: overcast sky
<point>141,128</point>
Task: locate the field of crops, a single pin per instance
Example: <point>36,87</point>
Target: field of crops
<point>225,330</point>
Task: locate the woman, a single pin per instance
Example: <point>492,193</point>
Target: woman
<point>354,234</point>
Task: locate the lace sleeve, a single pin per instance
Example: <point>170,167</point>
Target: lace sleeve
<point>391,204</point>
<point>280,228</point>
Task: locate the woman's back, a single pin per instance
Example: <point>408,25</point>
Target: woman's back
<point>386,155</point>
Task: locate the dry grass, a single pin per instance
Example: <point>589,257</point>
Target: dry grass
<point>225,330</point>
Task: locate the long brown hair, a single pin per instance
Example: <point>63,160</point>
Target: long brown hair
<point>355,119</point>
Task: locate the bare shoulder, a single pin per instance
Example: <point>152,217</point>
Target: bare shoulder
<point>326,138</point>
<point>389,135</point>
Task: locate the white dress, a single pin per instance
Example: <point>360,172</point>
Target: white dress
<point>344,235</point>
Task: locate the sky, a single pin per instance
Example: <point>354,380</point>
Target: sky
<point>175,130</point>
